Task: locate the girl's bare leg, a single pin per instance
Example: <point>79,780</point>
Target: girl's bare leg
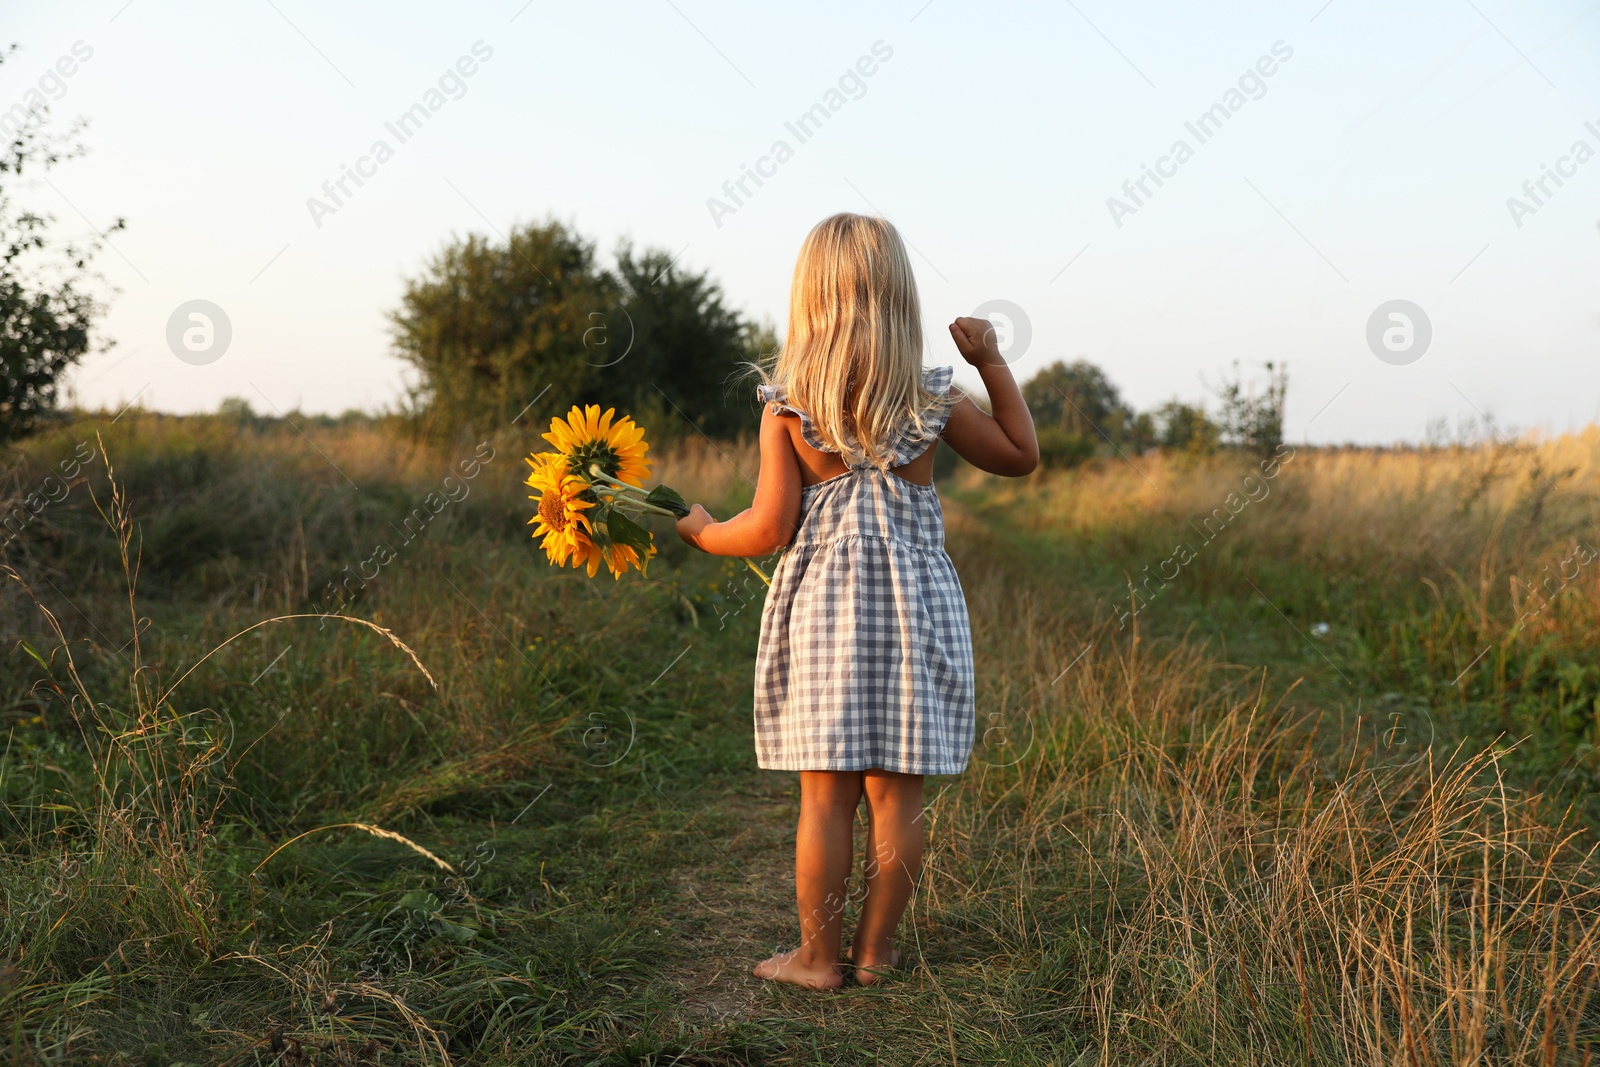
<point>893,859</point>
<point>822,857</point>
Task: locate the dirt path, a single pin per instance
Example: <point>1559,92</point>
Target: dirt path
<point>731,915</point>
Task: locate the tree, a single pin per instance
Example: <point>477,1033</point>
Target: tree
<point>1250,416</point>
<point>1185,427</point>
<point>687,345</point>
<point>490,328</point>
<point>1076,398</point>
<point>47,311</point>
<point>1076,409</point>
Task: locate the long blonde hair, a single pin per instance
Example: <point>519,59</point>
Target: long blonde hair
<point>852,360</point>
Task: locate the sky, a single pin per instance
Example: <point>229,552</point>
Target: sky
<point>1357,154</point>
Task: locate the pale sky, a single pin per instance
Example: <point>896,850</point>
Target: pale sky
<point>1374,163</point>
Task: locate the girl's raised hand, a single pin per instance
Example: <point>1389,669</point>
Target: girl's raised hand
<point>975,340</point>
<point>1001,440</point>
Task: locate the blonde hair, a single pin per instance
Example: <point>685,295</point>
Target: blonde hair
<point>852,360</point>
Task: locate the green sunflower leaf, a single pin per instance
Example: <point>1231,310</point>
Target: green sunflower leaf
<point>601,520</point>
<point>624,531</point>
<point>664,496</point>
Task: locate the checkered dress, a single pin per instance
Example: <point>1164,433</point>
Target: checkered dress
<point>865,658</point>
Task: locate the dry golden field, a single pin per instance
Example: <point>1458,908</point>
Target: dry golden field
<point>1291,763</point>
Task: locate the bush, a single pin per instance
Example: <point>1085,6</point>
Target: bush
<point>1059,449</point>
<point>1186,428</point>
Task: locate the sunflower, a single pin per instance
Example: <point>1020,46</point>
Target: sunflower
<point>560,520</point>
<point>620,557</point>
<point>590,555</point>
<point>591,493</point>
<point>589,439</point>
<point>617,558</point>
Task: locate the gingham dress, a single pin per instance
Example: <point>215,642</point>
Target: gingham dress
<point>865,658</point>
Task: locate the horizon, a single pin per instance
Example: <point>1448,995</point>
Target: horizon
<point>1468,434</point>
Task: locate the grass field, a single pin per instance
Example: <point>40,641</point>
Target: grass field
<point>1326,796</point>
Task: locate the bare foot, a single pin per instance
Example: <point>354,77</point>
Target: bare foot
<point>786,967</point>
<point>873,971</point>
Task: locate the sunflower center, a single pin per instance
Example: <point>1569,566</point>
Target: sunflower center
<point>552,511</point>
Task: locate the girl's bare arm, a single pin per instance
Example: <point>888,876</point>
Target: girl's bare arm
<point>1001,443</point>
<point>769,523</point>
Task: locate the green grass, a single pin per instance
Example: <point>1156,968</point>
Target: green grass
<point>1156,855</point>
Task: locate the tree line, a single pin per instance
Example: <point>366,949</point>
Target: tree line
<point>1078,413</point>
<point>491,327</point>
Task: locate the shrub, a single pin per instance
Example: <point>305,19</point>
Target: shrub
<point>1060,449</point>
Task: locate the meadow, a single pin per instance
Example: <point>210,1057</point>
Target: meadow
<point>1295,763</point>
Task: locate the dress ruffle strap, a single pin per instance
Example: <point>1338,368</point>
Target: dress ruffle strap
<point>909,440</point>
<point>775,396</point>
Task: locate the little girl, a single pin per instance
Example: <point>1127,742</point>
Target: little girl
<point>864,668</point>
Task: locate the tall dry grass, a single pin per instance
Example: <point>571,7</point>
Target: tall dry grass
<point>1496,510</point>
<point>1462,580</point>
<point>1190,875</point>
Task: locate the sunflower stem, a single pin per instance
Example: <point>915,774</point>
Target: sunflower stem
<point>633,499</point>
<point>597,475</point>
<point>647,509</point>
<point>639,506</point>
<point>633,496</point>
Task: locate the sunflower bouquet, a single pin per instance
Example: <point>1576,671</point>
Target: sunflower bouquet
<point>590,493</point>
